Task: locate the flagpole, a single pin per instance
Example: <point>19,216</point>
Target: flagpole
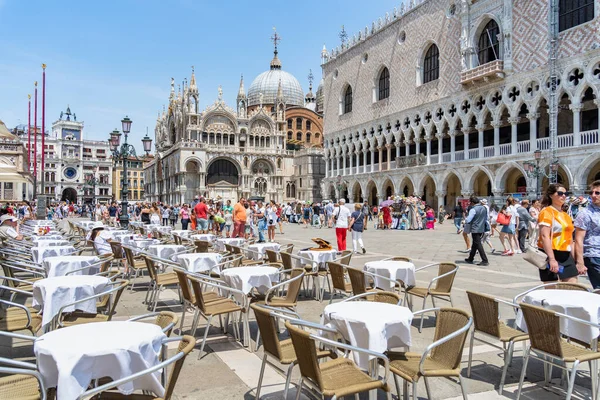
<point>41,208</point>
<point>29,134</point>
<point>35,143</point>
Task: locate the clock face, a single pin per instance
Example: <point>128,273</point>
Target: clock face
<point>70,173</point>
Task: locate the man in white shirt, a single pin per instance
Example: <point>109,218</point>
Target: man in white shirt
<point>8,228</point>
<point>341,216</point>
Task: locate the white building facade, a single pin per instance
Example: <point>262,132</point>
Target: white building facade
<point>71,162</point>
<point>448,98</point>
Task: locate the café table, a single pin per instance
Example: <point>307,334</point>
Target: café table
<point>71,358</point>
<point>257,250</point>
<point>319,258</point>
<point>199,262</point>
<point>48,243</point>
<point>221,242</point>
<point>248,278</point>
<point>38,254</point>
<point>50,294</point>
<point>60,266</point>
<point>395,270</point>
<point>36,239</point>
<point>181,233</point>
<point>207,237</point>
<point>165,251</point>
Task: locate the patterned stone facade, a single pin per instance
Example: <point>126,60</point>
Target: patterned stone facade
<point>470,130</point>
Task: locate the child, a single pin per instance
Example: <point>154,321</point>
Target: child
<point>228,222</point>
<point>403,223</point>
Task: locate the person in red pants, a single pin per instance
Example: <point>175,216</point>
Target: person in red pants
<point>341,216</point>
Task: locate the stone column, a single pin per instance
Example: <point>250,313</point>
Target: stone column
<point>388,148</point>
<point>513,134</point>
<point>372,159</point>
<point>452,134</point>
<point>351,155</point>
<point>440,137</point>
<point>397,149</point>
<point>428,149</point>
<point>533,117</point>
<point>407,145</point>
<point>576,109</point>
<point>326,167</point>
<point>480,129</point>
<point>496,126</point>
<point>344,163</point>
<point>380,149</point>
<point>465,132</point>
<point>364,160</point>
<point>440,198</point>
<point>417,145</point>
<point>379,199</point>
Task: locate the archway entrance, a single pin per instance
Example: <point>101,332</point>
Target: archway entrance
<point>372,194</point>
<point>482,186</point>
<point>429,193</point>
<point>406,187</point>
<point>357,193</point>
<point>453,191</point>
<point>593,175</point>
<point>222,179</point>
<point>192,180</point>
<point>515,182</point>
<point>388,190</point>
<point>70,195</point>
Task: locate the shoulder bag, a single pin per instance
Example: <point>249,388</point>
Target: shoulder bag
<point>503,219</point>
<point>535,256</point>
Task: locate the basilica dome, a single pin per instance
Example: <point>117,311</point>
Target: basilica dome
<point>267,83</point>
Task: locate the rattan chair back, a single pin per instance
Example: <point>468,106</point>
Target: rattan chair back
<point>151,267</point>
<point>202,246</point>
<point>177,239</point>
<point>186,292</point>
<point>345,257</point>
<point>228,248</point>
<point>287,260</point>
<point>267,325</point>
<point>570,286</point>
<point>485,313</point>
<point>450,320</point>
<point>357,280</point>
<point>337,275</point>
<point>143,230</point>
<point>117,249</point>
<point>444,285</point>
<point>400,258</point>
<point>129,256</point>
<point>236,249</point>
<point>386,297</point>
<point>272,256</point>
<point>306,353</point>
<point>293,290</point>
<point>164,319</point>
<point>186,345</point>
<point>116,296</point>
<point>543,327</point>
<point>197,288</point>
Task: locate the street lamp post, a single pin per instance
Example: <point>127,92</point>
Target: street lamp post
<point>121,153</point>
<point>534,170</point>
<point>93,181</point>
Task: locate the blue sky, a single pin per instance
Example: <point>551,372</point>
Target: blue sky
<point>110,58</point>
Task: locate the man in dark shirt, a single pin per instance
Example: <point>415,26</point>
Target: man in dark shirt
<point>112,213</point>
<point>458,217</point>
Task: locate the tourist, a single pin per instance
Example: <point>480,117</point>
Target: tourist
<point>271,217</point>
<point>155,214</point>
<point>249,225</point>
<point>306,210</point>
<point>458,217</point>
<point>587,237</point>
<point>218,221</point>
<point>556,238</point>
<point>185,217</point>
<point>524,219</point>
<point>8,228</point>
<point>356,226</point>
<point>228,221</point>
<point>316,215</point>
<point>173,216</point>
<point>239,218</point>
<point>288,212</point>
<point>441,215</point>
<point>477,221</point>
<point>507,233</point>
<point>430,217</point>
<point>201,211</point>
<point>280,217</point>
<point>166,213</point>
<point>328,213</point>
<point>260,217</point>
<point>193,220</point>
<point>341,215</point>
<point>534,211</point>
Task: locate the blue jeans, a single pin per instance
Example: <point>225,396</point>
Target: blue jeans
<point>457,222</point>
<point>593,270</point>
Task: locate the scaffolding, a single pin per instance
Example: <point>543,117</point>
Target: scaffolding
<point>553,84</point>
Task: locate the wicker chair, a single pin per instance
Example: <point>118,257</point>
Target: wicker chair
<point>245,261</point>
<point>439,287</point>
<point>358,281</point>
<point>486,317</point>
<point>378,296</point>
<point>290,300</point>
<point>202,246</point>
<point>338,280</point>
<point>398,258</point>
<point>281,350</point>
<point>20,380</point>
<point>157,281</point>
<point>272,256</point>
<point>547,345</point>
<point>166,320</point>
<point>17,317</point>
<point>186,345</point>
<point>440,359</point>
<point>117,250</point>
<point>137,264</point>
<point>337,378</point>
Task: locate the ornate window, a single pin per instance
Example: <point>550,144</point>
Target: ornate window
<point>431,64</point>
<point>489,46</point>
<point>384,84</point>
<point>308,125</point>
<point>260,186</point>
<point>298,123</point>
<point>298,135</point>
<point>307,137</point>
<point>290,190</point>
<point>289,122</point>
<point>348,100</point>
<point>574,12</point>
<point>290,135</point>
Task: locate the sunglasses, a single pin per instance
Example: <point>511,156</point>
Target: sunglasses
<point>596,193</point>
<point>560,193</point>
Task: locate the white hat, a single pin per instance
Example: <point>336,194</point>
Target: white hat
<point>342,201</point>
<point>7,217</point>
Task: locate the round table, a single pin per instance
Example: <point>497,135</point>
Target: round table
<point>199,262</point>
<point>37,239</point>
<point>48,243</point>
<point>370,325</point>
<point>71,358</point>
<point>221,242</point>
<point>248,278</point>
<point>207,237</point>
<point>165,251</point>
<point>318,257</point>
<point>50,294</point>
<point>258,249</point>
<point>60,266</point>
<point>395,270</point>
<point>575,303</point>
<point>38,254</point>
<point>181,233</point>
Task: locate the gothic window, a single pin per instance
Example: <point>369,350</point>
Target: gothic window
<point>307,137</point>
<point>260,187</point>
<point>348,100</point>
<point>290,135</point>
<point>384,84</point>
<point>574,12</point>
<point>298,135</point>
<point>489,46</point>
<point>298,123</point>
<point>308,125</point>
<point>431,64</point>
<point>289,122</point>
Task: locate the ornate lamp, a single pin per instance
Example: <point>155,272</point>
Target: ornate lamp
<point>115,139</point>
<point>147,143</point>
<point>126,125</point>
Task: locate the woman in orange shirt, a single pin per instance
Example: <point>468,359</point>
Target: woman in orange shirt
<point>193,220</point>
<point>556,237</point>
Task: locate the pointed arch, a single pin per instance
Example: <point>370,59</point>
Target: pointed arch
<point>387,183</point>
<point>431,63</point>
<point>472,175</point>
<point>502,174</point>
<point>421,185</point>
<point>346,98</point>
<point>382,84</point>
<point>406,186</point>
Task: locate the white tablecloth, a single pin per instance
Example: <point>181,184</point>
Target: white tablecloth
<point>162,229</point>
<point>165,251</point>
<point>37,239</point>
<point>258,249</point>
<point>578,304</point>
<point>39,254</point>
<point>319,257</point>
<point>403,270</point>
<point>70,358</point>
<point>50,294</point>
<point>180,232</point>
<point>207,237</point>
<point>220,243</point>
<point>199,262</point>
<point>48,243</point>
<point>89,224</point>
<point>247,278</point>
<point>60,266</point>
<point>370,325</point>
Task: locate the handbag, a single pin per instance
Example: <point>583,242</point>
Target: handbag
<point>503,219</point>
<point>536,257</point>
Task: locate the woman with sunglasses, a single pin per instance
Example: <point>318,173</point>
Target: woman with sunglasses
<point>556,237</point>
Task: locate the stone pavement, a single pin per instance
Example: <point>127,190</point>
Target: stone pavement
<point>229,371</point>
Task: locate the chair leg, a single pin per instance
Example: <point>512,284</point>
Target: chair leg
<point>414,390</point>
<point>462,387</point>
<point>205,336</point>
<point>182,319</point>
<point>572,380</point>
<point>157,297</point>
<point>427,388</point>
<point>470,353</point>
<point>195,323</point>
<point>507,358</point>
<point>523,370</point>
<point>260,377</point>
<point>288,379</point>
<point>424,303</point>
<point>299,389</point>
<point>397,386</point>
